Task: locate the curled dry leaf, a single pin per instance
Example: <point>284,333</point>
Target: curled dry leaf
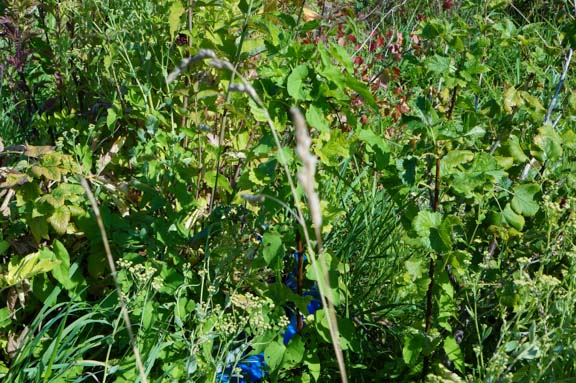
<point>14,343</point>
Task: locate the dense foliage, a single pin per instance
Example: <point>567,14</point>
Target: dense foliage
<point>446,176</point>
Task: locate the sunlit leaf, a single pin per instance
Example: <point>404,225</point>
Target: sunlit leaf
<point>38,151</point>
<point>176,11</point>
<point>271,247</point>
<point>296,83</point>
<point>59,219</point>
<point>513,219</point>
<point>454,353</point>
<point>550,143</point>
<point>523,201</point>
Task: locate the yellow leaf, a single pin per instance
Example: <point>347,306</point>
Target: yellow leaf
<point>38,151</point>
<point>309,15</point>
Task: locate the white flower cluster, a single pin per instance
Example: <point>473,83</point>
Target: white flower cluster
<point>227,325</point>
<point>254,307</point>
<point>141,273</point>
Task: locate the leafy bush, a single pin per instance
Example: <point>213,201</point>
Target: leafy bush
<point>445,160</point>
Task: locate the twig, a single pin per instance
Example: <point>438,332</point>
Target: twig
<point>113,271</point>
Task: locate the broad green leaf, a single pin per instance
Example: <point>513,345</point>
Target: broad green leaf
<point>515,150</point>
<point>29,266</point>
<point>272,247</point>
<point>454,353</point>
<point>511,99</point>
<point>453,160</point>
<point>60,219</point>
<point>312,361</point>
<point>53,173</point>
<point>363,90</point>
<point>345,328</point>
<point>210,177</point>
<point>39,228</point>
<point>296,83</point>
<point>332,293</point>
<point>549,142</point>
<point>341,54</point>
<point>148,314</point>
<point>523,201</point>
<point>426,220</point>
<point>315,118</point>
<point>513,219</point>
<point>258,113</point>
<point>176,11</point>
<point>62,272</point>
<point>373,140</point>
<point>440,65</point>
<point>337,147</point>
<point>5,318</point>
<point>273,355</point>
<point>111,118</point>
<point>414,269</point>
<point>294,353</point>
<point>413,345</point>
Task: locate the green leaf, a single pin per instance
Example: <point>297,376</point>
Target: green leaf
<point>414,268</point>
<point>60,219</point>
<point>271,247</point>
<point>296,80</point>
<point>342,56</point>
<point>373,140</point>
<point>111,118</point>
<point>413,345</point>
<point>513,219</point>
<point>454,353</point>
<point>39,228</point>
<point>452,161</point>
<point>4,245</point>
<point>273,355</point>
<point>315,118</point>
<point>210,177</point>
<point>312,361</point>
<point>33,264</point>
<point>176,11</point>
<point>523,201</point>
<point>439,65</point>
<point>363,90</point>
<point>337,147</point>
<point>294,353</point>
<point>511,99</point>
<point>425,221</point>
<point>326,268</point>
<point>15,179</point>
<point>62,272</point>
<point>258,113</point>
<point>549,142</point>
<point>149,312</point>
<point>345,329</point>
<point>515,150</point>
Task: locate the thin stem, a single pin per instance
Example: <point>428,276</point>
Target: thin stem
<point>110,259</point>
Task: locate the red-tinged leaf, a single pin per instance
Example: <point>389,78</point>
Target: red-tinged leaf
<point>38,151</point>
<point>52,173</point>
<point>15,179</point>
